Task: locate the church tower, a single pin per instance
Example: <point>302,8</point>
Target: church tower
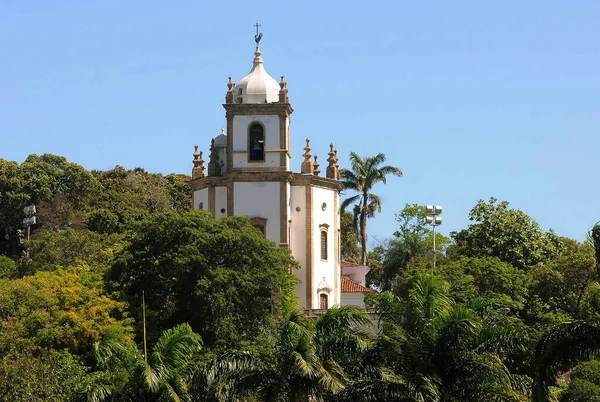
<point>250,173</point>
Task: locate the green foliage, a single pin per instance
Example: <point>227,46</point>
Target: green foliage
<point>63,309</point>
<point>102,221</point>
<point>564,288</point>
<point>450,351</point>
<point>54,376</point>
<point>219,275</point>
<point>581,390</point>
<point>133,194</point>
<point>68,248</point>
<point>595,235</point>
<point>559,350</point>
<point>508,234</point>
<point>412,245</point>
<point>124,373</point>
<point>493,279</point>
<point>308,359</point>
<point>8,268</point>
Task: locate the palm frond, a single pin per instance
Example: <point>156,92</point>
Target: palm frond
<point>349,201</point>
<point>559,350</point>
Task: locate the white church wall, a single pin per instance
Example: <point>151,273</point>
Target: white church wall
<point>325,269</point>
<point>240,141</point>
<point>259,200</point>
<point>201,196</point>
<point>353,299</point>
<point>298,238</point>
<point>220,202</point>
<point>357,273</point>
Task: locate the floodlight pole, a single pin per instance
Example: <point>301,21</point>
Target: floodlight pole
<point>434,219</point>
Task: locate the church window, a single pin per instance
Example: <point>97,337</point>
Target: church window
<point>257,142</point>
<point>323,301</point>
<point>261,228</point>
<point>260,224</point>
<point>323,244</point>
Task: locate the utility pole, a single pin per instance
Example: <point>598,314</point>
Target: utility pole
<point>434,219</point>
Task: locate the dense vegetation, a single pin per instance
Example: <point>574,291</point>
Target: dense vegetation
<point>510,313</point>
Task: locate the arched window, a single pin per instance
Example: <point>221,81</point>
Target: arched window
<point>260,224</point>
<point>323,244</point>
<point>323,301</point>
<point>257,142</point>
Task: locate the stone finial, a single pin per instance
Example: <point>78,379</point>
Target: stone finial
<point>332,171</point>
<point>337,165</point>
<point>283,92</point>
<point>316,165</point>
<point>214,168</point>
<point>307,165</point>
<point>230,98</point>
<point>198,170</point>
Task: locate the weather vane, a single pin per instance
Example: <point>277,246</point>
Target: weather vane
<point>258,35</point>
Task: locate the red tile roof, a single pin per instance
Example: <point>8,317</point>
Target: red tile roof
<point>349,286</point>
<point>350,264</point>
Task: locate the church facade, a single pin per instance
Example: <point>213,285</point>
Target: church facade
<point>250,173</point>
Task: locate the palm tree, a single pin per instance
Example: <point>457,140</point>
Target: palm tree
<point>365,173</point>
<point>305,364</point>
<point>445,351</point>
<point>166,372</point>
<point>559,350</point>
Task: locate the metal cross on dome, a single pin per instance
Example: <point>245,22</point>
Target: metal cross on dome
<point>259,34</point>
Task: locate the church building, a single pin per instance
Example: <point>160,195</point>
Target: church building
<point>250,172</point>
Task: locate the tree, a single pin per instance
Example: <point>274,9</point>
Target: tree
<point>69,248</point>
<point>364,174</point>
<point>508,234</point>
<point>63,309</point>
<point>446,351</point>
<point>595,236</point>
<point>308,359</point>
<point>564,287</point>
<point>559,350</point>
<point>585,383</point>
<point>221,276</point>
<point>40,375</point>
<point>126,374</point>
<point>12,200</point>
<point>411,245</point>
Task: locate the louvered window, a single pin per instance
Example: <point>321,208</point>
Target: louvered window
<point>323,244</point>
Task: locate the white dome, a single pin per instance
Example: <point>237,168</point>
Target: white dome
<point>258,86</point>
<point>221,139</point>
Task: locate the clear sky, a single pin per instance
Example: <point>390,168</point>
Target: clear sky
<point>471,99</point>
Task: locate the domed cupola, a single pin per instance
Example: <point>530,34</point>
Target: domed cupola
<point>258,86</point>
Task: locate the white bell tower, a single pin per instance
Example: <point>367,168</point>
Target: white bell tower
<point>249,173</point>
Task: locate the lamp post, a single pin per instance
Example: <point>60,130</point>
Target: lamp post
<point>434,219</point>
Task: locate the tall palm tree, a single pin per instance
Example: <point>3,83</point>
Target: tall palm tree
<point>365,173</point>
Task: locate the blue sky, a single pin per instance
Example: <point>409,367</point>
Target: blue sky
<point>470,99</point>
